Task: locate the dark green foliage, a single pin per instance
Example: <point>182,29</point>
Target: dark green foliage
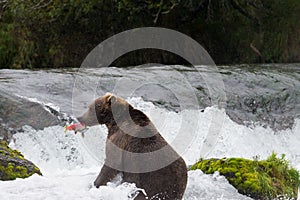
<point>7,46</point>
<point>54,33</point>
<point>265,179</point>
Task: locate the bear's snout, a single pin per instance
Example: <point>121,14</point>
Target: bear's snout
<point>88,118</point>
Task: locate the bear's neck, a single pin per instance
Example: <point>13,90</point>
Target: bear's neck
<point>139,125</point>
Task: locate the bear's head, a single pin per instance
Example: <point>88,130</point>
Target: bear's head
<point>106,109</point>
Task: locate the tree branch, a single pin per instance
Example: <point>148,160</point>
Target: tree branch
<point>158,12</point>
<point>241,10</point>
<point>40,5</point>
<point>257,51</point>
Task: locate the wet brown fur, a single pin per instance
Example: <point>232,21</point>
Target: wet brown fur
<point>168,182</point>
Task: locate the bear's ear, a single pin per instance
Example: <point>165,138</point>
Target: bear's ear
<point>108,94</point>
<point>111,98</point>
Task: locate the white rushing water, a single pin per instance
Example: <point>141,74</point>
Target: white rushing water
<point>70,163</point>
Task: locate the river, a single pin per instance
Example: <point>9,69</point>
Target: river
<point>242,111</point>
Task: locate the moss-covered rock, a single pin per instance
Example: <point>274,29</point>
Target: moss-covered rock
<point>13,164</point>
<point>265,179</point>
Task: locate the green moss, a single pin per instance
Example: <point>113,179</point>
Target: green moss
<point>265,179</point>
<point>13,164</point>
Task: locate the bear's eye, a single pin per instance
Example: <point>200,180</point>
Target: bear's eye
<point>91,109</point>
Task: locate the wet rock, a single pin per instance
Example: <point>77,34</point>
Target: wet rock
<point>272,178</point>
<point>16,112</point>
<point>13,164</point>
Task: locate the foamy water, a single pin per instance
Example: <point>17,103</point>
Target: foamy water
<point>70,163</point>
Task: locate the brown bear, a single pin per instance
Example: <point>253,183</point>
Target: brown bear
<point>136,150</point>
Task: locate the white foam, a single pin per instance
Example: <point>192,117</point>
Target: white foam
<point>202,187</point>
<point>233,140</point>
<point>70,184</point>
<point>52,149</point>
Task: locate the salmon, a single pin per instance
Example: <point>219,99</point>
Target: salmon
<point>75,127</point>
